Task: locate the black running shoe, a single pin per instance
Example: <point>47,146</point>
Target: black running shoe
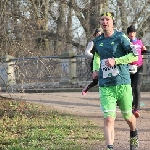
<point>134,143</point>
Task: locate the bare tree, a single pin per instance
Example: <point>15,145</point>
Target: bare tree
<point>132,12</point>
<point>46,27</point>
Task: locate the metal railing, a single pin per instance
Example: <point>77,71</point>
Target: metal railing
<point>49,71</point>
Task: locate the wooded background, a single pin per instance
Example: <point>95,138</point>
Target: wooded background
<point>52,27</point>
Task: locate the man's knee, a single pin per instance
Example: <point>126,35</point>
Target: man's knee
<point>127,116</point>
<point>111,114</point>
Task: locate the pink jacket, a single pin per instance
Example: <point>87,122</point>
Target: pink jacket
<point>139,44</point>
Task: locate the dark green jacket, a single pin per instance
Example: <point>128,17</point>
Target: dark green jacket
<point>118,47</point>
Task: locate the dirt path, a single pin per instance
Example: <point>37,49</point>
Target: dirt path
<point>88,106</point>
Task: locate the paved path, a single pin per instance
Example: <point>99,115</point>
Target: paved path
<point>88,106</point>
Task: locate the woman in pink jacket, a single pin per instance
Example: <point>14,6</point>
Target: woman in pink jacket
<point>136,69</point>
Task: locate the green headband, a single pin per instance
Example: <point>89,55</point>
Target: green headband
<point>108,14</point>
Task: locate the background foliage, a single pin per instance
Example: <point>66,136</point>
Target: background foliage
<point>51,27</point>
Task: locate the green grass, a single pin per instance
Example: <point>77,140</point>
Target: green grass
<point>27,126</point>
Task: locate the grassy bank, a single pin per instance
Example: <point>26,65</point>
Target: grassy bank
<point>27,126</point>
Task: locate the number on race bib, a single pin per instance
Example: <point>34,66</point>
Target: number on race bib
<point>108,71</point>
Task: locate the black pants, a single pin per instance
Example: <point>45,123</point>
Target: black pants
<point>136,82</point>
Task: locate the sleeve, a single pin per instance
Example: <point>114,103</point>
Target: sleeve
<point>131,53</point>
<point>143,49</point>
<point>89,48</point>
<point>96,62</point>
<point>125,43</point>
<point>129,58</point>
<point>128,46</point>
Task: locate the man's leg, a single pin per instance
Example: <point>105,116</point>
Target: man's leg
<point>134,142</point>
<point>131,122</point>
<point>108,104</point>
<point>109,130</point>
<point>125,104</point>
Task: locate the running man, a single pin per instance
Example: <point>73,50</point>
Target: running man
<point>115,53</point>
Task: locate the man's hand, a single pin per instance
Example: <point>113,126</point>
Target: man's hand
<point>95,74</point>
<point>110,62</point>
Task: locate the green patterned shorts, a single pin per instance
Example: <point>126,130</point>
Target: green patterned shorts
<point>120,94</point>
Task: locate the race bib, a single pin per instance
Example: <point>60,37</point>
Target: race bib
<point>132,69</point>
<point>108,71</point>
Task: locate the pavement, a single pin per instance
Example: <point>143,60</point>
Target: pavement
<point>88,106</point>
